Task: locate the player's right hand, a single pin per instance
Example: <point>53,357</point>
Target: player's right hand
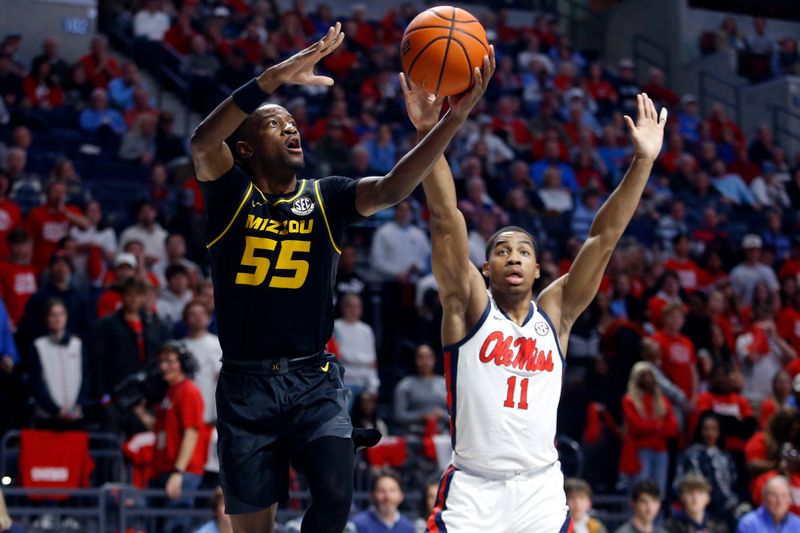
<point>299,69</point>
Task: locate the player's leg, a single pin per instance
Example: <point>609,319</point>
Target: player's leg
<point>328,467</point>
<point>258,522</point>
<point>538,502</point>
<point>469,504</point>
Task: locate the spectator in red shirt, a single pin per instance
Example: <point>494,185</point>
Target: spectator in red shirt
<point>100,66</point>
<point>691,276</point>
<point>782,387</point>
<point>181,444</point>
<point>42,88</point>
<point>601,90</point>
<point>17,275</point>
<point>10,215</point>
<point>679,360</point>
<point>141,106</point>
<point>732,409</point>
<point>649,423</point>
<point>658,91</point>
<point>180,34</point>
<point>669,293</point>
<point>762,451</point>
<point>791,267</point>
<point>50,222</point>
<point>252,42</point>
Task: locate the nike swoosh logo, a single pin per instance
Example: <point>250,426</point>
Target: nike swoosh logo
<point>326,367</point>
<point>257,204</point>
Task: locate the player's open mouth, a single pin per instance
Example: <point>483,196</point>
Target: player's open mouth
<point>515,278</point>
<point>293,146</point>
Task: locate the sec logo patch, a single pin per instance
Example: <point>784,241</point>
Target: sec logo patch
<point>302,206</point>
<point>541,328</point>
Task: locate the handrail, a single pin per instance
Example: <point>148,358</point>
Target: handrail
<point>778,128</point>
<point>638,42</point>
<point>735,103</point>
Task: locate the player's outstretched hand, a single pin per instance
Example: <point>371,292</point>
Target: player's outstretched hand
<point>423,108</point>
<point>648,132</point>
<point>299,69</point>
<point>462,104</point>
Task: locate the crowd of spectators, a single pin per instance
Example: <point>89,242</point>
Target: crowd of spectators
<point>682,378</point>
<point>760,55</point>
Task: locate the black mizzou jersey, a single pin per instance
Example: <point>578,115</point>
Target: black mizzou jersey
<point>273,262</point>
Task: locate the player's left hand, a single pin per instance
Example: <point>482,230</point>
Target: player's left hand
<point>174,483</point>
<point>648,132</point>
<point>423,108</point>
<point>462,104</point>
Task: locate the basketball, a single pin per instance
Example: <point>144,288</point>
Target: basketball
<point>441,48</point>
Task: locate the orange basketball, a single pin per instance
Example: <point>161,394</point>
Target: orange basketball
<point>441,48</point>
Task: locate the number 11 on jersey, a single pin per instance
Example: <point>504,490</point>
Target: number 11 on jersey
<point>523,396</point>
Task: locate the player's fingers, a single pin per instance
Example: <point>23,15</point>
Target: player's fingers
<point>478,80</point>
<point>640,112</point>
<point>662,118</point>
<point>629,122</point>
<point>321,80</point>
<point>333,45</point>
<point>653,111</point>
<point>492,57</point>
<point>403,84</point>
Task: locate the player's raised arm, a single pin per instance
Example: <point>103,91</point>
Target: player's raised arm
<point>212,157</point>
<point>376,193</point>
<point>569,296</point>
<point>458,279</point>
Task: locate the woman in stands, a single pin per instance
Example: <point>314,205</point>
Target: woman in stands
<point>649,423</point>
<point>705,457</point>
<point>58,368</point>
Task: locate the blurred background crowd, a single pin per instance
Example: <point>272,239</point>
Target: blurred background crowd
<point>682,384</point>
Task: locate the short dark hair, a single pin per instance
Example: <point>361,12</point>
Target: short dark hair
<point>18,236</point>
<point>194,302</point>
<point>575,485</point>
<point>185,358</point>
<point>51,303</point>
<point>383,474</point>
<point>134,284</point>
<point>175,269</point>
<point>645,487</point>
<point>493,239</point>
<point>694,482</point>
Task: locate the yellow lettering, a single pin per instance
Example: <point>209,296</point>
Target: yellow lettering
<point>283,228</point>
<point>273,226</point>
<point>303,228</point>
<point>253,221</point>
<point>294,227</point>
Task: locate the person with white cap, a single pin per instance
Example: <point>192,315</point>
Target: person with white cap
<point>111,299</point>
<point>746,275</point>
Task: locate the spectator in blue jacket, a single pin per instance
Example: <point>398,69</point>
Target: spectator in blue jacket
<point>99,115</point>
<point>383,516</point>
<point>773,516</point>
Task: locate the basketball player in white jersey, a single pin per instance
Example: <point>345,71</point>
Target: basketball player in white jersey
<point>504,351</point>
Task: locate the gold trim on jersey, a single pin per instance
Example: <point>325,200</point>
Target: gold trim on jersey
<point>235,216</point>
<point>283,200</point>
<point>325,216</point>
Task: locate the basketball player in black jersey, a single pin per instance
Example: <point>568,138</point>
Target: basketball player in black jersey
<point>274,241</point>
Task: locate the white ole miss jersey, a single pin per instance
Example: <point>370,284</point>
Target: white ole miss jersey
<point>503,389</point>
